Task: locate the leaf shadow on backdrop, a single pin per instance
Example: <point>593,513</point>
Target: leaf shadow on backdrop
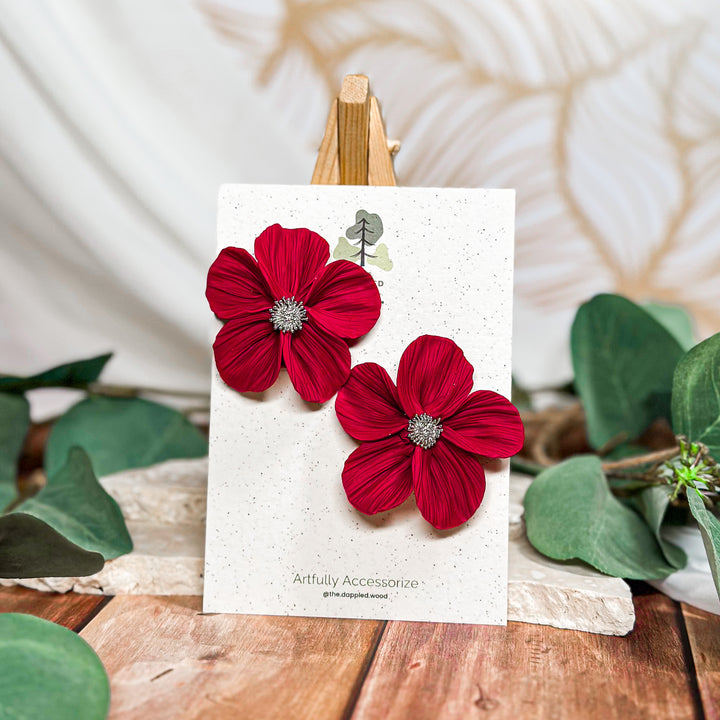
<point>604,116</point>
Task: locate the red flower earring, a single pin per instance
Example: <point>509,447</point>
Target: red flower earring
<point>286,306</point>
<point>428,435</point>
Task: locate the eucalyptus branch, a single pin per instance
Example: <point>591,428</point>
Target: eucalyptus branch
<point>557,420</point>
<point>656,457</point>
<point>613,443</point>
<point>109,390</point>
<point>195,410</point>
<point>646,477</point>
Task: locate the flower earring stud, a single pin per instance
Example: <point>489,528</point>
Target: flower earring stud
<point>285,306</point>
<point>427,435</point>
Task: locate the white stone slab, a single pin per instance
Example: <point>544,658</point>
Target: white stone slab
<point>168,556</point>
<point>563,594</point>
<point>170,492</point>
<point>167,560</point>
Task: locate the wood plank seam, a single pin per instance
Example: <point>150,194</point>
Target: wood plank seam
<point>78,627</point>
<point>364,671</point>
<point>689,659</point>
<point>694,646</point>
<point>69,610</point>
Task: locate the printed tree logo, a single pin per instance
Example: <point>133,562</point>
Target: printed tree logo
<point>364,234</point>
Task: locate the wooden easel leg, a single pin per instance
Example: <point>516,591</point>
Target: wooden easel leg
<point>354,149</point>
<point>327,166</point>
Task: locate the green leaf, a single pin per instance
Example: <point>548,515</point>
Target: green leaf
<point>122,433</point>
<point>626,485</point>
<point>624,361</point>
<point>521,397</point>
<point>76,374</point>
<point>14,424</point>
<point>652,503</point>
<point>571,513</point>
<point>49,671</point>
<point>676,320</point>
<point>710,531</point>
<point>696,395</point>
<point>31,548</point>
<point>75,504</point>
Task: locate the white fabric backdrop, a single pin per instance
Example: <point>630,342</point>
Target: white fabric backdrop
<point>120,119</point>
<point>119,122</point>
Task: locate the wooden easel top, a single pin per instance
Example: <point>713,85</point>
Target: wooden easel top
<point>355,148</point>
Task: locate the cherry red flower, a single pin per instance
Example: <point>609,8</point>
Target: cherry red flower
<point>428,435</point>
<point>286,306</point>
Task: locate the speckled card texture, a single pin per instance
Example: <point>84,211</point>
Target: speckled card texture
<point>282,538</point>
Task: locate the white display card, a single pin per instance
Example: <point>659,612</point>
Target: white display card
<point>282,538</point>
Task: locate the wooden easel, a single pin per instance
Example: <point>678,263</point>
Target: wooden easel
<point>355,149</point>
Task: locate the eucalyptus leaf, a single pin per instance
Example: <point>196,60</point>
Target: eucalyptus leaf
<point>122,433</point>
<point>696,395</point>
<point>75,504</point>
<point>626,485</point>
<point>522,465</point>
<point>676,320</point>
<point>710,530</point>
<point>77,374</point>
<point>14,424</point>
<point>571,513</point>
<point>30,548</point>
<point>625,450</point>
<point>624,361</point>
<point>652,503</point>
<point>49,671</point>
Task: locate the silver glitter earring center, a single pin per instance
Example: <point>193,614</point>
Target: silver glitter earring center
<point>424,430</point>
<point>288,315</point>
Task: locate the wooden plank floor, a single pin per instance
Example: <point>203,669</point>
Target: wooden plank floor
<point>168,660</point>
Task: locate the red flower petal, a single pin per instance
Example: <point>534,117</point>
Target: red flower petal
<point>247,353</point>
<point>290,260</point>
<point>235,285</point>
<point>378,475</point>
<point>318,363</point>
<point>344,300</point>
<point>434,377</point>
<point>367,406</point>
<point>449,484</point>
<point>487,424</point>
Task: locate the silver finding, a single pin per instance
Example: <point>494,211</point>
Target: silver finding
<point>288,315</point>
<point>424,430</point>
